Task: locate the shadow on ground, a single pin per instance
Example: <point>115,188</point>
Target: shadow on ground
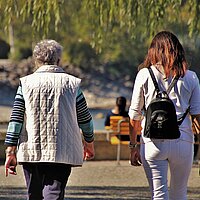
<point>107,192</point>
<point>94,193</point>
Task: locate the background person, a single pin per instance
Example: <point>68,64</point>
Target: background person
<point>55,109</point>
<point>118,110</point>
<point>166,57</point>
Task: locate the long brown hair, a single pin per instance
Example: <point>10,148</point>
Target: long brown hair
<point>121,104</point>
<point>166,50</point>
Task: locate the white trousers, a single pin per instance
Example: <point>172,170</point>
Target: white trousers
<point>159,155</point>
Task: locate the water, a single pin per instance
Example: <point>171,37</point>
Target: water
<point>98,116</point>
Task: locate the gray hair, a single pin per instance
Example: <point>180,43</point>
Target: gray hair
<point>47,52</point>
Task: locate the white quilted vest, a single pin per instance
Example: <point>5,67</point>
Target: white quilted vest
<point>52,133</point>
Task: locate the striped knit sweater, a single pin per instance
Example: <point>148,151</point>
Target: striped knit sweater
<point>84,118</point>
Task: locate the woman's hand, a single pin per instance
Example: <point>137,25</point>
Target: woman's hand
<point>11,160</point>
<point>10,164</point>
<point>135,129</point>
<point>88,150</point>
<point>135,159</point>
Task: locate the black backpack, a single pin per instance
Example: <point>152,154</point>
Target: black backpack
<point>161,119</point>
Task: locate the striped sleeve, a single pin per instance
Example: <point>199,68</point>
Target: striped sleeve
<point>84,117</point>
<point>16,119</point>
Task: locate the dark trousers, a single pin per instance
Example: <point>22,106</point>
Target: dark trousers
<point>46,180</point>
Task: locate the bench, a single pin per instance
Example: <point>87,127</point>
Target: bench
<point>119,133</point>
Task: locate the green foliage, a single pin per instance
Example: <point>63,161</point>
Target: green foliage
<point>42,13</point>
<point>83,55</point>
<point>114,15</point>
<point>103,16</point>
<point>99,31</point>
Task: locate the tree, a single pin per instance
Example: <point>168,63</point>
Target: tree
<point>104,15</point>
<point>118,30</point>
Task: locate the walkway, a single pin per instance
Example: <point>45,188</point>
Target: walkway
<point>98,180</point>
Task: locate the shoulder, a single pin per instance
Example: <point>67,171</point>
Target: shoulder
<point>191,74</point>
<point>110,113</point>
<point>70,79</point>
<point>142,76</point>
<point>190,77</point>
<point>189,81</point>
<point>143,71</point>
<point>24,78</point>
<point>74,78</point>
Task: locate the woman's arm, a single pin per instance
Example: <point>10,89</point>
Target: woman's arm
<point>135,128</point>
<point>13,132</point>
<point>85,122</point>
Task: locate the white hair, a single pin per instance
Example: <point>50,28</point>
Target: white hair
<point>47,52</point>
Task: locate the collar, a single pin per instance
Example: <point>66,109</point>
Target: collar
<point>50,68</point>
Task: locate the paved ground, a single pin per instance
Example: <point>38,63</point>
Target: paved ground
<point>98,180</point>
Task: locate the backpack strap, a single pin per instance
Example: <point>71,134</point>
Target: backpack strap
<point>154,80</point>
<point>175,79</point>
<point>180,120</point>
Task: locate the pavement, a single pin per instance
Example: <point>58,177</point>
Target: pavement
<point>98,180</point>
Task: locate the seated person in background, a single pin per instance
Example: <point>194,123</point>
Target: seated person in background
<point>118,110</point>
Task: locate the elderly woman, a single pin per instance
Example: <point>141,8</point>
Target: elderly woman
<point>55,109</point>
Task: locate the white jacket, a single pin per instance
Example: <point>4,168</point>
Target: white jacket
<point>185,93</point>
<point>52,132</point>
